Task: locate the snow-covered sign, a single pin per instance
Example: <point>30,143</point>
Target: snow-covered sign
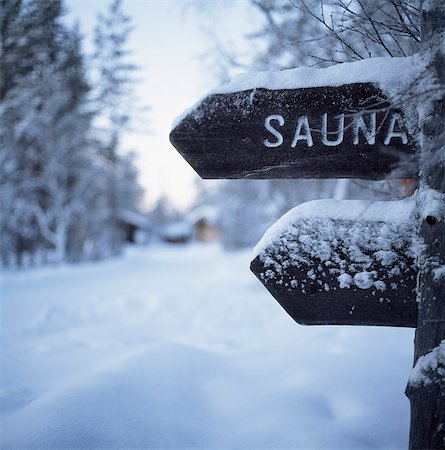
<point>346,262</point>
<point>343,121</point>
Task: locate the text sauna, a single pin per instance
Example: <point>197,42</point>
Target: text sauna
<point>332,130</point>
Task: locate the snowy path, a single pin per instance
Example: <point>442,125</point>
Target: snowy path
<point>171,347</point>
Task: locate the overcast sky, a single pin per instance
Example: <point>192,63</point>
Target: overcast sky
<point>167,43</point>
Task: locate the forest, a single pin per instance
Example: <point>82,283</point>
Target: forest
<point>292,300</point>
<point>62,115</point>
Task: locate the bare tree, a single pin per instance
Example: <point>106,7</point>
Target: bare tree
<point>362,29</point>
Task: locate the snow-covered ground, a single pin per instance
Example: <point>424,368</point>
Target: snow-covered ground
<point>181,347</point>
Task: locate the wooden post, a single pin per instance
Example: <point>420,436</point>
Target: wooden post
<point>426,387</point>
<point>265,129</point>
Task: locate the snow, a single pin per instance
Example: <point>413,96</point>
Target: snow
<point>392,75</point>
<point>135,218</point>
<point>429,366</point>
<point>431,203</point>
<point>345,281</point>
<point>204,212</point>
<point>345,241</point>
<point>439,273</point>
<point>181,347</point>
<point>384,71</point>
<point>178,229</point>
<point>364,280</point>
<point>354,210</point>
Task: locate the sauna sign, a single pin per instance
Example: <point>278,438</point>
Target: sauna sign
<point>332,135</point>
<point>347,131</point>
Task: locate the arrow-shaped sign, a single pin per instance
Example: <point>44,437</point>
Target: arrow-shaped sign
<point>342,263</point>
<point>325,131</point>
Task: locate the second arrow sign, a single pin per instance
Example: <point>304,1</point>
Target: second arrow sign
<point>343,262</point>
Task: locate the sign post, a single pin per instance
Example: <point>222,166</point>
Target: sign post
<point>426,387</point>
<point>337,262</point>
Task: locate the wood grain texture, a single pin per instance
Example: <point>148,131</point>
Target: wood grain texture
<point>223,137</point>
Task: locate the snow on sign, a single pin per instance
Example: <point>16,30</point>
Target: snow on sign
<point>344,262</point>
<point>303,123</point>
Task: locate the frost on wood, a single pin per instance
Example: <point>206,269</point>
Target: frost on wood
<point>347,121</point>
<point>429,367</point>
<point>348,262</point>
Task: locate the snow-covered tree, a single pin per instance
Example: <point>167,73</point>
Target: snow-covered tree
<point>113,74</point>
<point>25,66</point>
<point>55,175</point>
<point>306,32</point>
<point>367,28</point>
<point>163,212</point>
<point>50,136</point>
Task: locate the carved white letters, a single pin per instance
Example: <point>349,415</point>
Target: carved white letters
<point>368,131</point>
<point>340,131</point>
<point>302,125</point>
<point>395,118</point>
<point>273,131</point>
<point>360,126</point>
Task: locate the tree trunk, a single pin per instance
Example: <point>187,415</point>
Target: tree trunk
<point>426,388</point>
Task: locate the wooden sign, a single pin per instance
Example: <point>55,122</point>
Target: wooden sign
<point>356,268</point>
<point>322,132</point>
